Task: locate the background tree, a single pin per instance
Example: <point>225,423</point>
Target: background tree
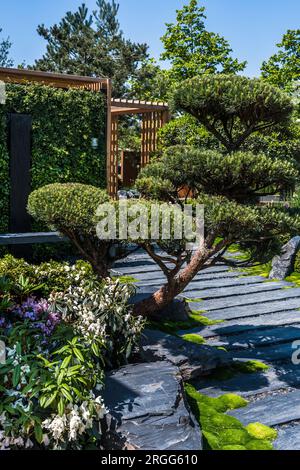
<point>283,68</point>
<point>5,45</point>
<point>92,44</point>
<point>192,50</point>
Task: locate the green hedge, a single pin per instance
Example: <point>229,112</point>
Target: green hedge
<point>64,122</point>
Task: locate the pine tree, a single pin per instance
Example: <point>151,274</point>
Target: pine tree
<point>92,44</point>
<point>5,60</point>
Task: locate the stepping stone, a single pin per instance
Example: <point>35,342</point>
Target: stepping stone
<point>259,338</point>
<point>147,410</point>
<point>252,299</point>
<point>217,279</point>
<point>252,310</point>
<point>271,411</point>
<point>192,359</point>
<point>288,437</point>
<point>239,290</point>
<point>248,385</point>
<point>289,317</point>
<point>274,353</point>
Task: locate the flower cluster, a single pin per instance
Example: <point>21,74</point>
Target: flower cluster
<point>38,312</point>
<point>75,422</point>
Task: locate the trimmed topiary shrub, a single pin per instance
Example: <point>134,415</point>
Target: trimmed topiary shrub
<point>71,209</point>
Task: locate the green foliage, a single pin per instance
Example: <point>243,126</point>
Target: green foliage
<point>67,206</point>
<point>192,50</point>
<point>232,107</point>
<point>217,174</point>
<point>64,122</point>
<point>282,69</point>
<point>49,276</point>
<point>224,432</point>
<point>5,45</point>
<point>92,44</point>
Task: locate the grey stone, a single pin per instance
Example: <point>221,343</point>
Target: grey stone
<point>283,265</point>
<point>259,322</point>
<point>278,377</point>
<point>251,299</point>
<point>192,359</point>
<point>274,353</point>
<point>253,339</point>
<point>262,308</point>
<point>288,437</point>
<point>271,411</point>
<point>231,291</point>
<point>148,411</point>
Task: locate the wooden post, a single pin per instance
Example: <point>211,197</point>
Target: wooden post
<point>20,161</point>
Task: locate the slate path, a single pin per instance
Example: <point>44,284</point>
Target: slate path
<point>260,320</point>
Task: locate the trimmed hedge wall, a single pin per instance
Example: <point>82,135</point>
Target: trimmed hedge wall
<point>64,122</point>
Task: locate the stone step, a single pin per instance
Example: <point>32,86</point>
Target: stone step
<point>230,327</point>
<point>218,283</point>
<point>277,377</point>
<point>273,353</point>
<point>252,310</point>
<point>148,409</point>
<point>259,338</point>
<point>251,299</point>
<point>193,360</point>
<point>272,410</point>
<point>218,278</point>
<point>239,290</point>
<point>288,437</point>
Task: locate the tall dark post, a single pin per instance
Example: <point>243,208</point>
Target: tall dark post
<point>19,144</point>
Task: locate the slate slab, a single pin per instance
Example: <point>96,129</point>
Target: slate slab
<point>242,325</point>
<point>283,265</point>
<point>274,353</point>
<point>271,411</point>
<point>192,359</point>
<point>251,299</point>
<point>237,290</point>
<point>244,311</point>
<point>148,411</point>
<point>288,437</point>
<point>259,338</point>
<point>278,377</point>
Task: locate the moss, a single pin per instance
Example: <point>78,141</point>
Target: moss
<point>258,270</point>
<point>294,278</point>
<point>249,367</point>
<point>194,301</point>
<point>193,338</point>
<point>224,432</point>
<point>260,431</point>
<point>196,319</point>
<point>126,279</point>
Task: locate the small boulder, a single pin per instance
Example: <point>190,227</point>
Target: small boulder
<point>283,264</point>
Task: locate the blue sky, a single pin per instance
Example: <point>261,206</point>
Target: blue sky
<point>253,27</point>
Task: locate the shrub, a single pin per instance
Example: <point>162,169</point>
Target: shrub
<point>57,349</point>
<point>232,107</point>
<point>51,276</point>
<point>71,209</point>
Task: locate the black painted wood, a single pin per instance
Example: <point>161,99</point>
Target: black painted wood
<point>20,160</point>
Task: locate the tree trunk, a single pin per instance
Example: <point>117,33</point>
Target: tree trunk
<point>166,294</point>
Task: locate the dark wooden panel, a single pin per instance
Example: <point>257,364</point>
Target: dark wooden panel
<point>31,238</point>
<point>130,167</point>
<point>19,142</point>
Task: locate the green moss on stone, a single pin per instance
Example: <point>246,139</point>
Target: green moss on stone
<point>224,432</point>
<point>193,338</point>
<point>249,367</point>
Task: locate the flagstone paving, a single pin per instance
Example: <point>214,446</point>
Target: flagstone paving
<point>260,320</point>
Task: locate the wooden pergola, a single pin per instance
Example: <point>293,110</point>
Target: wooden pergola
<point>154,115</point>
